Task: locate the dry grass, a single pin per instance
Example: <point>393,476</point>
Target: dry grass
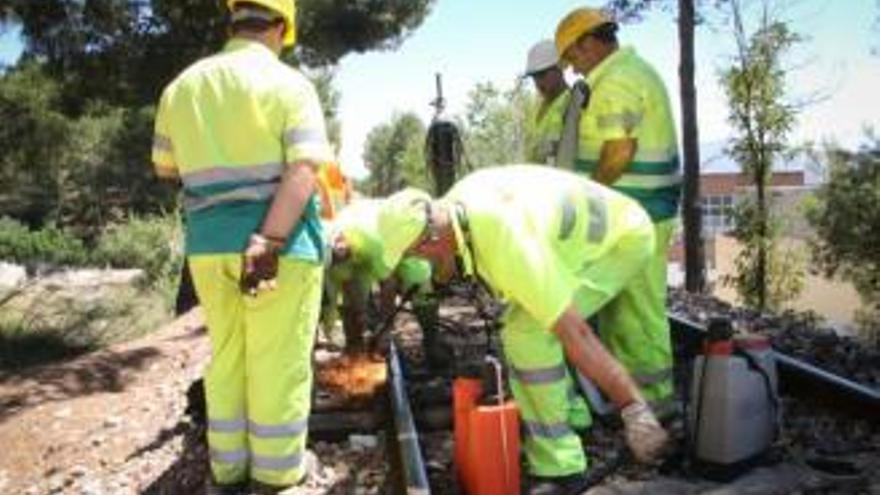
<point>45,324</point>
<point>834,300</point>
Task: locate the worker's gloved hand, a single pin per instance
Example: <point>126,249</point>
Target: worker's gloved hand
<point>259,264</point>
<point>645,437</point>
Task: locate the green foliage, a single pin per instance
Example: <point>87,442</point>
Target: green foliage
<point>82,172</point>
<point>395,154</point>
<point>329,96</point>
<point>50,245</point>
<point>152,244</point>
<point>755,87</point>
<point>124,52</point>
<point>786,266</point>
<point>328,29</point>
<point>104,173</point>
<point>33,137</point>
<point>845,215</point>
<point>498,126</point>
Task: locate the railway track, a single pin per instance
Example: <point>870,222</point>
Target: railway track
<point>405,425</point>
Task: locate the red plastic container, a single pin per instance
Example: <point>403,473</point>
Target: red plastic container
<point>486,442</point>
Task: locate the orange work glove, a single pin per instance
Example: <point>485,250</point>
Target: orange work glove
<point>259,264</point>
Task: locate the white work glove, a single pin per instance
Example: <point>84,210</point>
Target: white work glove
<point>645,437</point>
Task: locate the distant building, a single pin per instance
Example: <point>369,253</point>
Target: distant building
<point>719,192</point>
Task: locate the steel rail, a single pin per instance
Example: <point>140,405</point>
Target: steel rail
<point>415,478</point>
<point>800,378</point>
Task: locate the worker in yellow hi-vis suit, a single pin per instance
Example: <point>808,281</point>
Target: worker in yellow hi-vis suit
<point>557,248</point>
<point>558,116</point>
<point>358,265</point>
<point>628,142</point>
<point>245,134</point>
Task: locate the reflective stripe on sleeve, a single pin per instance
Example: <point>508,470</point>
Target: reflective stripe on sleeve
<point>569,217</point>
<point>627,120</point>
<point>598,225</point>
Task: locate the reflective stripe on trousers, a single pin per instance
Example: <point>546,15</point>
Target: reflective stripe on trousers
<point>542,388</point>
<point>260,363</point>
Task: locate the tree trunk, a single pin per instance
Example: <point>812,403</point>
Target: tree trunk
<point>693,238</point>
<point>761,269</point>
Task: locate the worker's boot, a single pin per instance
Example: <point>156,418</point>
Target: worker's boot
<point>573,484</point>
<point>312,473</point>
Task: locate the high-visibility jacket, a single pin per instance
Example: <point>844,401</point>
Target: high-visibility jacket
<point>358,223</point>
<point>556,127</point>
<point>533,230</point>
<point>548,129</point>
<point>228,125</point>
<point>629,100</point>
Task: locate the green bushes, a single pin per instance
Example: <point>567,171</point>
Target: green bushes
<point>50,245</point>
<point>152,244</point>
<point>845,214</point>
<point>41,323</point>
<point>149,243</point>
<point>78,171</point>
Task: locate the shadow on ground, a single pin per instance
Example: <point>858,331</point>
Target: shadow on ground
<point>189,473</point>
<point>106,371</point>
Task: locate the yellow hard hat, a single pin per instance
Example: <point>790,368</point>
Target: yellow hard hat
<point>402,221</point>
<point>577,23</point>
<point>285,8</point>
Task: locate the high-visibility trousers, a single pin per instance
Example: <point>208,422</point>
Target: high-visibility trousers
<point>540,380</point>
<point>258,383</point>
<point>550,409</point>
<point>635,328</point>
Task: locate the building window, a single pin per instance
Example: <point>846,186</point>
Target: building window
<point>717,213</point>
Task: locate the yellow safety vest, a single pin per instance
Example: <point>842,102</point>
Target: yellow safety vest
<point>228,126</point>
<point>529,230</point>
<point>358,223</point>
<point>548,129</point>
<point>629,100</point>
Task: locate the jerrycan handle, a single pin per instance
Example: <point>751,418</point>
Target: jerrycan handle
<point>502,423</point>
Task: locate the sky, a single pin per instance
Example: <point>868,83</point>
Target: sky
<point>472,41</point>
<point>476,41</point>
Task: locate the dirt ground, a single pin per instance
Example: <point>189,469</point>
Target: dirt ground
<point>130,420</point>
<point>127,420</point>
<point>100,423</point>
